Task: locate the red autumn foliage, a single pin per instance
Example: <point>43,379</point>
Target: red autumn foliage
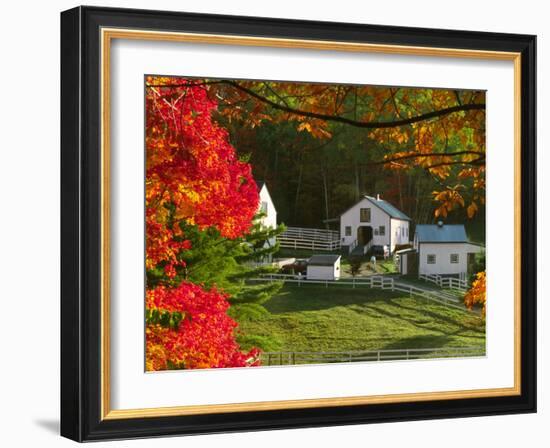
<point>204,337</point>
<point>192,167</point>
<point>193,175</point>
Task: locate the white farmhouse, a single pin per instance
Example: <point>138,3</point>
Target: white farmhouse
<point>266,206</point>
<point>443,249</point>
<point>373,222</point>
<point>323,267</point>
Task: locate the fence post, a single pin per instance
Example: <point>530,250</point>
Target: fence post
<point>326,283</point>
<point>378,355</point>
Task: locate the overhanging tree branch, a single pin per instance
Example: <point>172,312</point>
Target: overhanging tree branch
<point>337,118</point>
<point>356,123</point>
<point>430,154</point>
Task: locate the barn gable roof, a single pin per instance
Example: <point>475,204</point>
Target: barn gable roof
<point>394,212</point>
<point>383,205</point>
<point>260,184</point>
<point>447,233</point>
<point>323,260</point>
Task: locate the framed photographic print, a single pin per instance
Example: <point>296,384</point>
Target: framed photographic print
<point>276,224</point>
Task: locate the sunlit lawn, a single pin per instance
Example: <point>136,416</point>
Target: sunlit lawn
<point>339,318</point>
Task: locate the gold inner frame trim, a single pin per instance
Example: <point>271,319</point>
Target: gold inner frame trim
<point>107,35</point>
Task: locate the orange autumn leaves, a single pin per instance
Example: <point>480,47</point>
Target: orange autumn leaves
<point>193,176</point>
<point>476,295</point>
<point>449,146</point>
<point>452,150</point>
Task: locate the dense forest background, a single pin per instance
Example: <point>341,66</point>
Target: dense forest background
<point>314,175</point>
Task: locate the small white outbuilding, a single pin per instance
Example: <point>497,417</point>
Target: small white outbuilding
<point>323,267</point>
<point>443,249</point>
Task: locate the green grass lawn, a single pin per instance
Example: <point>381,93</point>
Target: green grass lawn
<point>339,318</point>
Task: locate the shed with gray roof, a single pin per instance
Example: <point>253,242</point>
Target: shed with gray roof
<point>323,267</point>
<point>444,249</point>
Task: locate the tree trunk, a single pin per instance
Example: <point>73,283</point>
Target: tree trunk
<point>298,187</point>
<point>357,188</point>
<point>325,185</point>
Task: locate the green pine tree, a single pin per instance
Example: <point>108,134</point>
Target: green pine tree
<point>229,265</point>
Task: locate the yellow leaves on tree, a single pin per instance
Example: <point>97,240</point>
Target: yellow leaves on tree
<point>316,128</point>
<point>441,131</point>
<point>449,199</point>
<point>477,293</point>
<point>471,210</point>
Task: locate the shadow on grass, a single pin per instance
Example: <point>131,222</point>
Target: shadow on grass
<point>314,298</point>
<point>474,324</point>
<point>421,341</point>
<point>434,321</point>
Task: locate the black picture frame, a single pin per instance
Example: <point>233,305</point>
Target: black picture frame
<point>81,224</point>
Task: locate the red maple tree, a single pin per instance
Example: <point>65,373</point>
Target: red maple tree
<point>193,175</point>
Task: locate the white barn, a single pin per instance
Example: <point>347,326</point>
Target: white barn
<point>323,267</point>
<point>373,222</point>
<point>266,206</point>
<point>443,249</point>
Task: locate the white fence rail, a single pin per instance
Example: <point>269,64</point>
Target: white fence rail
<point>293,358</point>
<point>311,239</point>
<point>457,284</point>
<point>373,281</point>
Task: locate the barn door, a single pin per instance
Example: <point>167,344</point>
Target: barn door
<point>412,263</point>
<point>364,235</point>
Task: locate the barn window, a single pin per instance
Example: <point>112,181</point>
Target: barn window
<point>376,231</point>
<point>382,230</point>
<point>348,230</point>
<point>431,258</point>
<point>454,258</point>
<point>364,215</point>
<point>407,231</point>
<point>263,208</point>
